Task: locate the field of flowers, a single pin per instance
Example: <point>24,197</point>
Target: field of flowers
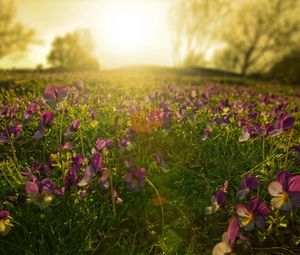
<point>129,164</point>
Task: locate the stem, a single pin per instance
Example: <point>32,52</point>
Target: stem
<point>61,125</point>
<point>287,149</point>
<point>81,141</point>
<point>15,159</point>
<point>263,152</point>
<point>161,207</point>
<point>112,195</point>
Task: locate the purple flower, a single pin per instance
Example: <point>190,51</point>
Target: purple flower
<point>282,124</point>
<point>285,191</point>
<point>30,109</point>
<point>228,238</point>
<point>103,180</point>
<point>248,184</point>
<point>40,192</point>
<point>135,179</point>
<point>5,224</point>
<point>74,126</point>
<point>96,164</point>
<point>253,215</point>
<point>14,131</point>
<point>68,146</point>
<point>47,118</point>
<point>78,161</point>
<point>207,132</point>
<point>53,95</point>
<point>100,144</point>
<point>218,200</point>
<point>70,179</point>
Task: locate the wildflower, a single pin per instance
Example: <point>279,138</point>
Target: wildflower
<point>228,238</point>
<point>70,179</point>
<point>218,200</point>
<point>5,224</point>
<point>53,95</point>
<point>135,179</point>
<point>282,124</point>
<point>46,119</point>
<point>74,126</point>
<point>285,191</point>
<point>253,215</point>
<point>207,132</point>
<point>30,109</point>
<point>68,146</point>
<point>9,132</point>
<point>103,180</point>
<point>40,192</point>
<point>92,169</point>
<point>78,160</point>
<point>248,184</point>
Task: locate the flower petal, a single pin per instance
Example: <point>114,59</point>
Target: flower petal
<point>275,189</point>
<point>294,184</point>
<point>233,230</point>
<point>221,249</point>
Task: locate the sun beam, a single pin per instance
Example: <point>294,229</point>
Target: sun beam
<point>128,26</point>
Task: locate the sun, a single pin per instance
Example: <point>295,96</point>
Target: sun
<point>128,26</point>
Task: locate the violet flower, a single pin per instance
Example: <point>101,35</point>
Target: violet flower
<point>218,200</point>
<point>53,95</point>
<point>30,109</point>
<point>282,124</point>
<point>40,192</point>
<point>285,191</point>
<point>253,215</point>
<point>206,134</point>
<point>228,238</point>
<point>70,179</point>
<point>68,146</point>
<point>96,164</point>
<point>9,132</point>
<point>5,223</point>
<point>74,126</point>
<point>248,184</point>
<point>135,179</point>
<point>103,180</point>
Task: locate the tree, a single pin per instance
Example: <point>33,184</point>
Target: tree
<point>252,35</point>
<point>14,37</point>
<point>194,25</point>
<point>260,32</point>
<point>73,52</point>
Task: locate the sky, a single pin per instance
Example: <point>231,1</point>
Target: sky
<point>125,32</point>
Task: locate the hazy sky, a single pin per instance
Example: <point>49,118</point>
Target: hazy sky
<point>125,31</point>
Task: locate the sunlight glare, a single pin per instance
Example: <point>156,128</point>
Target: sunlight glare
<point>128,26</point>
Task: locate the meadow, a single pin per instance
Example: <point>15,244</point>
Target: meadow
<point>143,163</point>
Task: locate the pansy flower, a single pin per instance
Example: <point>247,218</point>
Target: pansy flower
<point>40,192</point>
<point>74,126</point>
<point>285,191</point>
<point>228,239</point>
<point>53,95</point>
<point>46,119</point>
<point>282,124</point>
<point>14,131</point>
<point>70,179</point>
<point>248,184</point>
<point>91,171</point>
<point>135,179</point>
<point>103,180</point>
<point>5,223</point>
<point>253,215</point>
<point>218,200</point>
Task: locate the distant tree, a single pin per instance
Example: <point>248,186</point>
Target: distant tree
<point>258,33</point>
<point>195,25</point>
<point>73,51</point>
<point>14,37</point>
<point>252,35</point>
<point>288,68</point>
